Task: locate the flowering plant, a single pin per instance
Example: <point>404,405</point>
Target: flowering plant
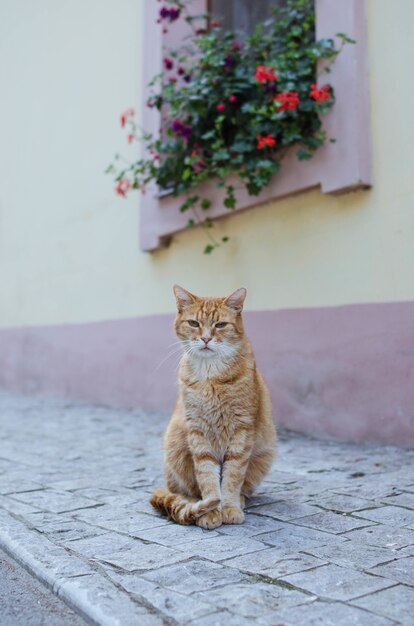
<point>232,105</point>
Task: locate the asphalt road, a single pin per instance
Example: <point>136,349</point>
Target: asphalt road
<point>24,601</point>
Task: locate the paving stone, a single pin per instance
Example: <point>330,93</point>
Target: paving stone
<point>221,618</point>
<point>382,535</point>
<point>403,499</point>
<point>355,556</point>
<point>174,535</point>
<point>281,477</point>
<point>57,502</point>
<point>15,507</point>
<point>131,582</point>
<point>286,510</point>
<point>105,604</point>
<point>10,487</point>
<point>370,490</point>
<point>393,515</point>
<point>60,529</point>
<point>293,538</point>
<point>116,497</point>
<point>332,522</point>
<point>324,614</point>
<point>122,563</point>
<point>221,547</point>
<point>409,550</point>
<point>37,552</point>
<point>195,575</point>
<point>179,606</point>
<point>127,554</point>
<point>396,603</point>
<point>252,526</point>
<point>342,503</point>
<point>129,520</point>
<point>265,498</point>
<point>401,570</point>
<point>255,599</point>
<point>337,583</point>
<point>272,564</point>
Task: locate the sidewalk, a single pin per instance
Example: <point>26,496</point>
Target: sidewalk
<point>328,541</point>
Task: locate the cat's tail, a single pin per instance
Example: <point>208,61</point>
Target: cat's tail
<point>181,509</point>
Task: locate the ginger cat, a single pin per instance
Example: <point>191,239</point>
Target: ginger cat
<point>220,441</point>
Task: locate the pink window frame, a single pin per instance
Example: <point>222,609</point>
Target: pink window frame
<point>336,167</point>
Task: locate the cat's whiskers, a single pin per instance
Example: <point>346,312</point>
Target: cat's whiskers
<point>174,352</point>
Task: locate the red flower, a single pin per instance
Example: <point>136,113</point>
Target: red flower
<point>233,99</point>
<point>125,115</point>
<point>215,24</point>
<point>168,63</point>
<point>131,137</point>
<point>264,141</point>
<point>287,101</point>
<point>320,93</point>
<point>221,106</point>
<point>264,73</point>
<point>123,186</point>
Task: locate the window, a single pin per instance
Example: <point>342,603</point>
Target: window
<point>242,15</point>
<point>336,168</point>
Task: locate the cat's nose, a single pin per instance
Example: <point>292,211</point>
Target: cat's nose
<point>206,339</point>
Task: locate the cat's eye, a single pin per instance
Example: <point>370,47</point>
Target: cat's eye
<point>193,323</point>
<point>221,324</point>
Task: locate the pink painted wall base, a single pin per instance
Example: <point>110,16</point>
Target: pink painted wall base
<point>345,372</point>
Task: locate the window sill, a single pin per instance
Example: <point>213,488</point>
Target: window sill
<point>336,168</point>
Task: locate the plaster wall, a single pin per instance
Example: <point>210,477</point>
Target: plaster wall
<point>69,246</point>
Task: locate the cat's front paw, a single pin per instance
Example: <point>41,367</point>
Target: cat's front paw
<point>210,520</point>
<point>232,515</point>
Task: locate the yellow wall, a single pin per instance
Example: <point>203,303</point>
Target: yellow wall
<point>69,247</point>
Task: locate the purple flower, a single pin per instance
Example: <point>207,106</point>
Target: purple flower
<point>187,78</point>
<point>164,13</point>
<point>228,61</point>
<point>174,14</point>
<point>169,14</point>
<point>181,129</point>
<point>186,132</point>
<point>168,63</point>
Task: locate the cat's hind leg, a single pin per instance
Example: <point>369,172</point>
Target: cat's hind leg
<point>259,465</point>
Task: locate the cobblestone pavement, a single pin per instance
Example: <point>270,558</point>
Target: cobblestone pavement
<point>328,540</point>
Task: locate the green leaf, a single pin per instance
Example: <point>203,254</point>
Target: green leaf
<point>221,155</point>
<point>242,146</point>
<point>190,202</point>
<point>208,249</point>
<point>304,155</point>
<point>205,204</point>
<point>264,163</point>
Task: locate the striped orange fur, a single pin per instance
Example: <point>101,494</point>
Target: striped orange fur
<point>220,441</point>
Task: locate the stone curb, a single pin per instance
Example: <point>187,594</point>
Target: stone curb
<point>98,601</point>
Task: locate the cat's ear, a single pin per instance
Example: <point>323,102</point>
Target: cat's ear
<point>183,297</point>
<point>236,300</point>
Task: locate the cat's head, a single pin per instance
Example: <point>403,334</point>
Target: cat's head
<point>209,327</point>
